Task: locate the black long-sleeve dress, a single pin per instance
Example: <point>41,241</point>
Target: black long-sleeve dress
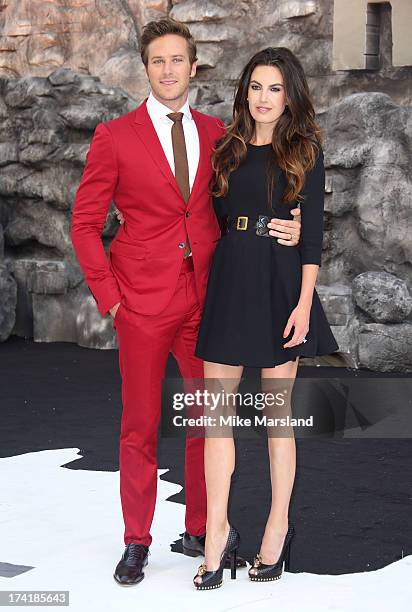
<point>255,282</point>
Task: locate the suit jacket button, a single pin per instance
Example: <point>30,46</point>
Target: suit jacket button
<point>181,245</point>
<point>186,214</point>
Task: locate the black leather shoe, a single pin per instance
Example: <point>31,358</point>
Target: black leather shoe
<point>129,570</point>
<point>194,546</point>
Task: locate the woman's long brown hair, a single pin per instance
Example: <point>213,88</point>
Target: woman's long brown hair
<point>295,136</point>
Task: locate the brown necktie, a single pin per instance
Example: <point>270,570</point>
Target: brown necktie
<point>181,164</point>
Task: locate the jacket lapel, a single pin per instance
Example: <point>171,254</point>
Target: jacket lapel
<point>205,150</point>
<point>145,130</point>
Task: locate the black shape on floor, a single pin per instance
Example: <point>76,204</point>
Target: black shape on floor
<point>351,499</point>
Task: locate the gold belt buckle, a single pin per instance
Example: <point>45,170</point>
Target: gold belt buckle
<point>242,223</point>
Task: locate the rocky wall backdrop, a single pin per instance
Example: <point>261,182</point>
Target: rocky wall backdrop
<point>66,65</point>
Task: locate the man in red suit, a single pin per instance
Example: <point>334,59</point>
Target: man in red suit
<point>154,163</point>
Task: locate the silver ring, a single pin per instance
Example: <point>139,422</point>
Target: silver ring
<point>304,340</point>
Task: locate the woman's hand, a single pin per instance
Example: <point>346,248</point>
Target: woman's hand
<point>119,215</point>
<point>299,319</point>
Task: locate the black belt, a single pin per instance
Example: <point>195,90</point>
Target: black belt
<point>248,224</point>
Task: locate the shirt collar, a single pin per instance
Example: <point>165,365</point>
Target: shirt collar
<point>157,110</point>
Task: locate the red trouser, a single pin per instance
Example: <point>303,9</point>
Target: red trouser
<point>144,345</point>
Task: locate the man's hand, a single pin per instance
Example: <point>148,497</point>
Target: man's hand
<point>119,215</point>
<point>114,309</point>
<point>287,232</point>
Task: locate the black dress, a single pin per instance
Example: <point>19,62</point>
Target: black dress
<point>254,282</point>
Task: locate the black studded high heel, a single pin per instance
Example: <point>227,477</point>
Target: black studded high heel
<point>265,572</point>
<point>214,579</point>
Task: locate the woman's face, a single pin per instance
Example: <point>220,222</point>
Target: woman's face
<point>266,94</point>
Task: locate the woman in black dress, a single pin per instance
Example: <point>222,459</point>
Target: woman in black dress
<point>262,308</point>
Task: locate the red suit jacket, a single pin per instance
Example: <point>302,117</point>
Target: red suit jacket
<point>126,164</point>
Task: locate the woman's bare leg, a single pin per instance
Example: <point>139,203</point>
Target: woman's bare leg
<point>219,464</point>
<point>282,456</point>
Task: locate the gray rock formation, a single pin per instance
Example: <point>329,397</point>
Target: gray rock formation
<point>46,127</point>
<point>8,295</point>
<point>382,296</point>
<point>92,330</point>
<point>339,308</point>
<point>8,301</point>
<point>71,317</point>
<point>386,348</point>
<point>51,99</point>
<point>367,157</point>
<point>98,37</point>
<point>101,38</point>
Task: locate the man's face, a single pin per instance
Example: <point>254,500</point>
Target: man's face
<point>168,68</point>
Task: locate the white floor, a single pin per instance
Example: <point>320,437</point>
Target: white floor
<point>67,524</point>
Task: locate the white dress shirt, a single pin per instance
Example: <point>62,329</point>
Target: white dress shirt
<point>163,125</point>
